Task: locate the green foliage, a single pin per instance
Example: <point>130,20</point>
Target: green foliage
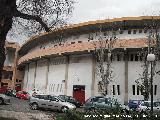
<point>112,114</point>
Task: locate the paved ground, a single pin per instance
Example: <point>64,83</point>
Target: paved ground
<point>19,109</point>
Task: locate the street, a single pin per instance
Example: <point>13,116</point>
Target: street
<point>19,109</point>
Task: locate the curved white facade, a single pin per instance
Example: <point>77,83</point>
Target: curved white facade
<point>58,74</point>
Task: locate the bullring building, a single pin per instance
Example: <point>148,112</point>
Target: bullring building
<point>61,62</point>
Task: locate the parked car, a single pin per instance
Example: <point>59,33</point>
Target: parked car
<point>105,103</point>
<point>146,106</point>
<point>34,92</point>
<point>70,99</point>
<point>89,103</point>
<point>22,95</point>
<point>3,90</point>
<point>50,102</point>
<point>11,93</point>
<point>4,99</point>
<point>133,104</point>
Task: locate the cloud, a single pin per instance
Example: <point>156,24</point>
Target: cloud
<point>86,10</point>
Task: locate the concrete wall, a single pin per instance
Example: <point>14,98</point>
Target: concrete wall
<point>134,71</point>
<point>40,80</point>
<point>156,81</point>
<point>84,38</point>
<point>80,73</point>
<point>30,83</point>
<point>56,76</point>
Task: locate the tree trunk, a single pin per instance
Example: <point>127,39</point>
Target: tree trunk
<point>8,10</point>
<point>5,25</point>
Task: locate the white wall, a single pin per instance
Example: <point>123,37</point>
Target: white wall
<point>56,76</point>
<point>40,81</point>
<point>134,69</point>
<point>156,81</point>
<point>80,73</point>
<point>30,83</point>
<point>118,69</point>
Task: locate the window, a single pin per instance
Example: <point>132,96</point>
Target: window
<point>118,57</point>
<point>118,89</point>
<point>129,31</point>
<point>155,89</point>
<point>134,31</point>
<point>136,57</point>
<point>145,31</point>
<point>137,90</point>
<point>131,57</point>
<point>53,98</point>
<point>72,42</point>
<point>90,37</point>
<point>133,89</point>
<point>105,33</point>
<point>140,31</point>
<point>113,89</point>
<point>121,32</point>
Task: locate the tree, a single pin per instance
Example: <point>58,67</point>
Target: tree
<point>103,51</point>
<point>42,15</point>
<point>144,82</point>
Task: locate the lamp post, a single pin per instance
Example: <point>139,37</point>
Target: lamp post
<point>151,58</point>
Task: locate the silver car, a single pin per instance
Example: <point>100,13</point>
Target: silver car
<point>4,99</point>
<point>50,102</point>
<point>146,106</point>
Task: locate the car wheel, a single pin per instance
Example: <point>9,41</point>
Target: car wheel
<point>1,101</point>
<point>64,109</point>
<point>34,106</point>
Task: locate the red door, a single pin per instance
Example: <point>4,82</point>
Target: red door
<point>79,93</point>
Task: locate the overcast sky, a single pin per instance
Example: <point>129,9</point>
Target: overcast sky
<point>87,10</point>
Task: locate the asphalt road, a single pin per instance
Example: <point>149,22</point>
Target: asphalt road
<point>20,110</point>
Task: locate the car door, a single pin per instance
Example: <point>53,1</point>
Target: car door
<point>43,101</point>
<point>54,103</point>
<point>102,104</point>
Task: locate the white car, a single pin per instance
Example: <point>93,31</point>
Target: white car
<point>146,106</point>
<point>50,102</point>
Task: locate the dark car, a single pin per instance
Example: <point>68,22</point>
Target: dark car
<point>70,99</point>
<point>11,93</point>
<point>104,103</point>
<point>134,104</point>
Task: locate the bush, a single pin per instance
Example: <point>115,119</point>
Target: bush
<point>115,114</point>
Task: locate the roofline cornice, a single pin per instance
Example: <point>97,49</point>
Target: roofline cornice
<point>89,23</point>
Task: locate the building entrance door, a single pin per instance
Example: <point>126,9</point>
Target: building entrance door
<point>79,93</point>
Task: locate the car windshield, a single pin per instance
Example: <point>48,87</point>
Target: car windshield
<point>59,98</point>
<point>25,92</point>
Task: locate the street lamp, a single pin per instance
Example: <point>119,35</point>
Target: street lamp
<point>151,58</point>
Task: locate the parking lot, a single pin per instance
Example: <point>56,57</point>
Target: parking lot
<point>19,109</point>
